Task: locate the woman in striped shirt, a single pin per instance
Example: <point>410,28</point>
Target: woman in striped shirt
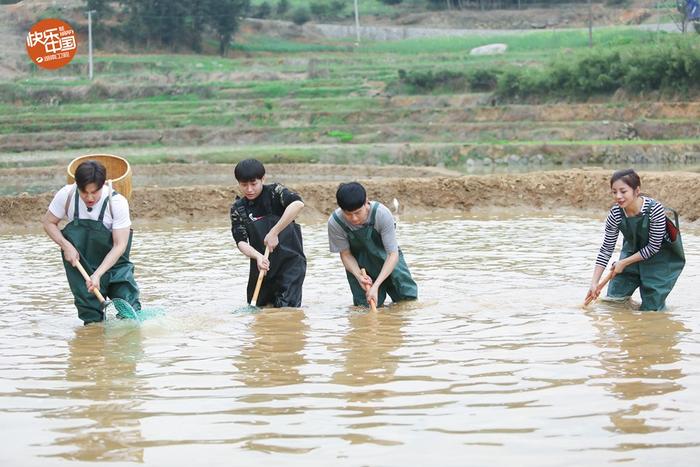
<point>650,259</point>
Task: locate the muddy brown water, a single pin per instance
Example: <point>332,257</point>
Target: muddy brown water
<point>496,361</point>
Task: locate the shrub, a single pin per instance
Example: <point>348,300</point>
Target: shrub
<point>324,10</point>
<point>422,82</point>
<point>509,85</point>
<point>337,7</point>
<point>319,9</point>
<point>343,136</point>
<point>300,15</point>
<point>672,67</point>
<point>597,74</point>
<point>482,80</point>
<point>282,7</point>
<point>262,11</point>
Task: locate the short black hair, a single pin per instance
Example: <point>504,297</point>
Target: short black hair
<point>90,171</point>
<point>628,176</point>
<point>351,196</point>
<point>248,170</point>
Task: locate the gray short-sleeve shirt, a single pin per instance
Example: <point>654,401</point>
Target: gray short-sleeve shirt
<point>383,223</point>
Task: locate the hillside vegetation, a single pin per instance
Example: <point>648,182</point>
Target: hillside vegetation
<point>548,100</point>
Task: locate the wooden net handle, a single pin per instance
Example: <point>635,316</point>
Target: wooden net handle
<point>372,305</point>
<point>95,290</point>
<point>254,300</point>
<point>600,286</point>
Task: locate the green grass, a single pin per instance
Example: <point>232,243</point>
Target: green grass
<point>540,41</point>
<point>275,45</point>
<point>269,92</point>
<point>450,154</point>
<point>365,7</point>
<point>342,136</point>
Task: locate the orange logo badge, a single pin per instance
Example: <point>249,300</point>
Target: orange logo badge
<point>51,43</point>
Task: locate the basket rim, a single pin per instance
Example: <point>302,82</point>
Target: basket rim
<point>88,156</point>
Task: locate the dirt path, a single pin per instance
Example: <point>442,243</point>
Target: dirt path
<point>578,189</point>
<point>467,22</point>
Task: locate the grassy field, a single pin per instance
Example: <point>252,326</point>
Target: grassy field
<point>331,102</point>
<point>366,7</point>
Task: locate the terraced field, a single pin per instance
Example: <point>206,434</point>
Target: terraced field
<point>327,102</point>
<point>340,111</point>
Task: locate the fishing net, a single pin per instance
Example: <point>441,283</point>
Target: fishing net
<point>145,314</point>
<point>121,309</point>
<point>248,309</point>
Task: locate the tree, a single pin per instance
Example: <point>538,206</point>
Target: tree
<point>159,23</point>
<point>282,7</point>
<point>179,23</point>
<point>224,19</point>
<point>101,10</point>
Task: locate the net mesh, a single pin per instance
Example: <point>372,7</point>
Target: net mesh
<point>121,309</point>
<point>248,309</point>
<point>150,313</point>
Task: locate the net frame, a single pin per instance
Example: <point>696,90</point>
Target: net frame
<point>119,309</point>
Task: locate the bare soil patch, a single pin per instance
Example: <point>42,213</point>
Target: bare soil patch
<point>577,189</point>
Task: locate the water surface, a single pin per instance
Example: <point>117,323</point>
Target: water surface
<point>496,361</point>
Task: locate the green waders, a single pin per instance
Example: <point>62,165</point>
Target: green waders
<point>655,276</point>
<point>367,248</point>
<point>93,241</point>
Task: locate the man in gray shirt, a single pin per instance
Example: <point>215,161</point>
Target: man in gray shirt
<point>364,233</point>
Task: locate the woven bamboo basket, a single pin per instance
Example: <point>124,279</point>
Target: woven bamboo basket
<point>118,170</point>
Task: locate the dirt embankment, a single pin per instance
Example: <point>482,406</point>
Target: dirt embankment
<point>409,23</point>
<point>580,189</point>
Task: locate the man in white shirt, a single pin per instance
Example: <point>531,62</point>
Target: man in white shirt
<point>98,236</point>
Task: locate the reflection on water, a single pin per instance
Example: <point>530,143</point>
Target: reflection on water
<point>104,396</point>
<point>274,357</point>
<point>640,356</point>
<point>367,350</point>
<point>495,361</point>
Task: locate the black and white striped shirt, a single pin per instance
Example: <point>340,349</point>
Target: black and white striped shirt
<point>657,230</point>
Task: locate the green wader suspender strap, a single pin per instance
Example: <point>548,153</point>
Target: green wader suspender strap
<point>102,212</point>
<point>367,248</point>
<point>370,223</point>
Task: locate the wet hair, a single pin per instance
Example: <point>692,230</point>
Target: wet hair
<point>628,176</point>
<point>351,196</point>
<point>89,172</point>
<point>248,170</point>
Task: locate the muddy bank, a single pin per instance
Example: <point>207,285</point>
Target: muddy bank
<point>284,173</point>
<point>578,189</point>
<point>35,180</point>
